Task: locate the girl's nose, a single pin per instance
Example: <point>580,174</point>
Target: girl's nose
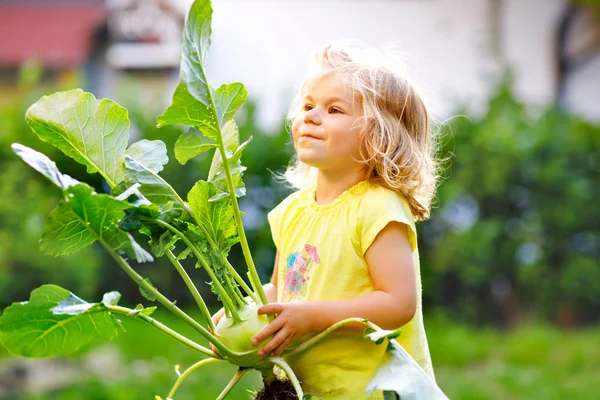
<point>312,116</point>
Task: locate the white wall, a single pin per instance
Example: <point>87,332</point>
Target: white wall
<point>265,45</point>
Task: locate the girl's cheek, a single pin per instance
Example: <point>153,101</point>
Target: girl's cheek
<point>295,126</point>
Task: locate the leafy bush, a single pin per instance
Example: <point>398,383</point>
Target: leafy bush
<point>517,227</point>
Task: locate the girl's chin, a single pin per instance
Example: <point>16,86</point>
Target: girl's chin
<point>310,160</point>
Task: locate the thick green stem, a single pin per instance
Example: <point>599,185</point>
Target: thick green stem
<point>254,278</point>
<point>238,375</point>
<point>227,301</point>
<point>290,374</point>
<point>190,343</point>
<point>187,372</point>
<point>314,340</point>
<point>163,300</point>
<point>192,288</point>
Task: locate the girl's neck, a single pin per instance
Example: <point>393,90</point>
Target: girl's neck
<point>330,186</point>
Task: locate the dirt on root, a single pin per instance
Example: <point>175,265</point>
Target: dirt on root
<point>277,390</point>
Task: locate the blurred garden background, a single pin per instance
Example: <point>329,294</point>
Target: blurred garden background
<point>511,255</point>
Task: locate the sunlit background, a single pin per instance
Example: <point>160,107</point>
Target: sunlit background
<point>510,257</point>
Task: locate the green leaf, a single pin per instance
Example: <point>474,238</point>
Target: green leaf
<point>166,241</point>
<point>380,336</point>
<point>191,144</point>
<point>44,166</point>
<point>400,374</point>
<point>54,322</point>
<point>151,154</point>
<point>195,102</point>
<point>84,217</point>
<point>147,295</point>
<point>92,132</point>
<point>229,98</point>
<point>186,109</point>
<point>192,103</point>
<point>153,187</point>
<point>215,219</point>
<point>184,254</point>
<point>217,175</point>
<point>141,310</point>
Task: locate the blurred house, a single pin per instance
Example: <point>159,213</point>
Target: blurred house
<point>456,49</point>
<point>107,41</point>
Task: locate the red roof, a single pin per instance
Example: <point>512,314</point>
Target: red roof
<point>58,35</point>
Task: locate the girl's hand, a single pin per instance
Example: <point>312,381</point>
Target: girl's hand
<point>216,318</point>
<point>294,320</point>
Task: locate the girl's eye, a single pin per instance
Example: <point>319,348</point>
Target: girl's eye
<point>335,111</point>
<point>308,107</point>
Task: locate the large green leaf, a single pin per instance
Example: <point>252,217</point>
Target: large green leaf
<point>195,102</point>
<point>90,131</point>
<point>193,98</point>
<point>55,322</point>
<point>82,216</point>
<point>400,374</point>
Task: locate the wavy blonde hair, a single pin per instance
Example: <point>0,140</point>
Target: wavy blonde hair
<point>397,145</point>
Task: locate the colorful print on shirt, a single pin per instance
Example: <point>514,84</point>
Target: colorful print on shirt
<point>298,270</point>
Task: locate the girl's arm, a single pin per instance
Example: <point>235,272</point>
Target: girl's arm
<point>394,301</point>
<point>390,306</point>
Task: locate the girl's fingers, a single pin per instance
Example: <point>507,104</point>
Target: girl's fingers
<point>271,308</point>
<point>277,340</point>
<point>282,346</point>
<point>268,330</point>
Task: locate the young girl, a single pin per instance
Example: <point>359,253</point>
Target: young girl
<point>346,239</point>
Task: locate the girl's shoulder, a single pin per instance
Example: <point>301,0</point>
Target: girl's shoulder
<point>376,196</point>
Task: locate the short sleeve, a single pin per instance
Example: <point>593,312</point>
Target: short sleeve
<point>276,219</point>
<point>379,209</point>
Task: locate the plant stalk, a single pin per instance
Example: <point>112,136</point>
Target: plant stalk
<point>192,288</point>
<point>227,301</point>
<point>314,340</point>
<point>165,329</point>
<point>239,280</point>
<point>164,301</point>
<point>290,374</point>
<point>187,372</point>
<point>254,278</point>
<point>238,375</point>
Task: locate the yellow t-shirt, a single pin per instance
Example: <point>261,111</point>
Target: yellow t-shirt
<point>321,257</point>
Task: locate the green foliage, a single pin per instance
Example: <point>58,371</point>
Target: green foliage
<point>517,228</point>
<point>26,198</point>
<point>55,322</point>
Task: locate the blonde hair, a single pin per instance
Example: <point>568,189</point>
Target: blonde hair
<point>397,145</point>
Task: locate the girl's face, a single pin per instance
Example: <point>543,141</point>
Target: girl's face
<point>326,131</point>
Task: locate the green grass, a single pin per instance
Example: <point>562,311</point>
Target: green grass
<point>534,362</point>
